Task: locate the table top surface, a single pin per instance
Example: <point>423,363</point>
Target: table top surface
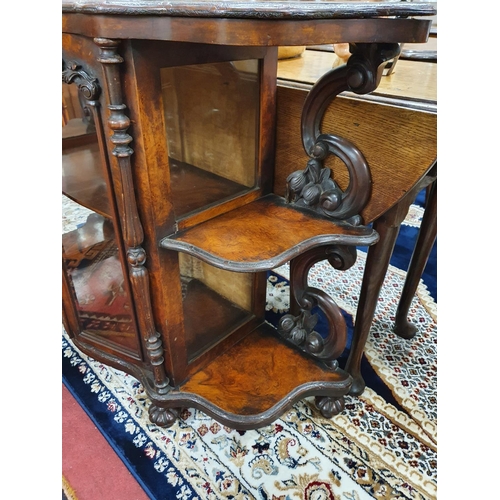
<point>412,81</point>
<point>254,9</point>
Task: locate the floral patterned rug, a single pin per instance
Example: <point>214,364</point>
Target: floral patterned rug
<point>383,446</point>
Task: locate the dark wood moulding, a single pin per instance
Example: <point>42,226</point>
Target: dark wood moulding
<point>287,9</point>
<point>248,32</point>
<point>264,24</point>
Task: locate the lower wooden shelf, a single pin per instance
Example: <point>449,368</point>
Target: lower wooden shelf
<point>255,382</point>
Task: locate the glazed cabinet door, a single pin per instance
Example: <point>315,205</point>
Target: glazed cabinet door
<point>97,300</point>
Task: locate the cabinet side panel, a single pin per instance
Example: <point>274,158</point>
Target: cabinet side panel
<point>142,94</point>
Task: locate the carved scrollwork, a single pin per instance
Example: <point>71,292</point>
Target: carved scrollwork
<point>73,72</point>
<point>314,186</point>
<point>366,65</point>
<point>299,328</point>
<point>89,90</point>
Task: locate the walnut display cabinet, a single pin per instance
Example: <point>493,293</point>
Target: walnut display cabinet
<point>170,151</point>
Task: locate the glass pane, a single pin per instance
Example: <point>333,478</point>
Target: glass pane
<point>211,116</point>
<point>82,170</point>
<point>90,252</point>
<point>95,273</point>
<point>215,302</point>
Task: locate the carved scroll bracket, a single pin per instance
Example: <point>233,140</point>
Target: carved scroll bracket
<point>314,186</point>
<point>88,86</point>
<point>72,72</point>
<point>133,232</point>
<point>299,329</point>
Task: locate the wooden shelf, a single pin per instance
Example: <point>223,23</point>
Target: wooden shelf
<point>256,380</point>
<point>263,235</point>
<point>194,188</point>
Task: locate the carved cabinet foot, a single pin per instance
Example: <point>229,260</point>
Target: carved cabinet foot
<point>163,417</point>
<point>330,406</point>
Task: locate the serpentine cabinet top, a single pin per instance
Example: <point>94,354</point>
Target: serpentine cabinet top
<point>251,22</point>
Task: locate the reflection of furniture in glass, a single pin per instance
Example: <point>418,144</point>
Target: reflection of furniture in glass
<point>402,160</point>
<point>181,171</point>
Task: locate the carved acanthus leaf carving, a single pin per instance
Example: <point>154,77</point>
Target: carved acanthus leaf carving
<point>300,331</point>
<point>313,187</point>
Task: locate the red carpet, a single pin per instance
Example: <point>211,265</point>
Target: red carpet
<point>90,466</point>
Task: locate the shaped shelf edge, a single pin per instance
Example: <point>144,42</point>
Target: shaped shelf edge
<point>264,234</point>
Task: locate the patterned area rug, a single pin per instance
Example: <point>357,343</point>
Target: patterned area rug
<point>383,446</point>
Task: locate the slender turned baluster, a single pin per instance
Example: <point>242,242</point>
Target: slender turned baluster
<point>133,233</point>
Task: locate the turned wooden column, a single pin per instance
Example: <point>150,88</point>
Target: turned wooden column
<point>133,233</point>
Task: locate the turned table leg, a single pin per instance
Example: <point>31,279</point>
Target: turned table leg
<point>423,247</point>
<point>377,262</point>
